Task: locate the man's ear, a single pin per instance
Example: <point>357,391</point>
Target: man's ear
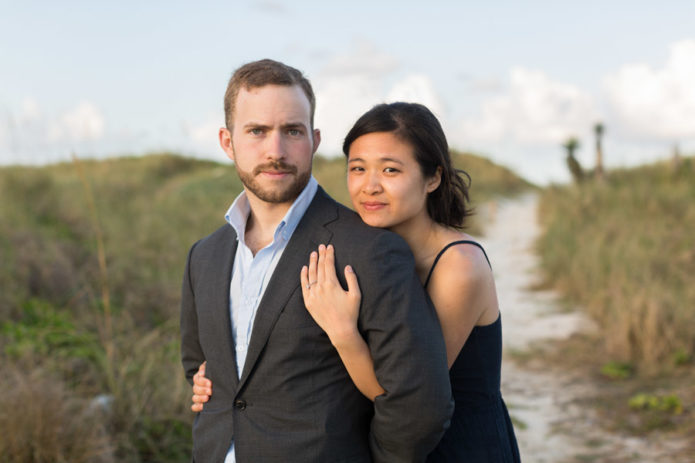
<point>317,140</point>
<point>434,181</point>
<point>225,137</point>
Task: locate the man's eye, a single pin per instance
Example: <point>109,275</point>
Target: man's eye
<point>356,169</point>
<point>294,132</point>
<point>256,131</point>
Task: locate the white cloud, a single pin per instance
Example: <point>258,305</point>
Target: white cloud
<point>486,85</point>
<point>656,102</point>
<point>353,82</point>
<point>202,138</point>
<point>84,122</point>
<point>33,135</point>
<point>203,132</point>
<point>523,125</point>
<point>340,100</point>
<point>4,136</point>
<point>417,88</point>
<point>29,111</point>
<point>346,87</point>
<point>533,110</point>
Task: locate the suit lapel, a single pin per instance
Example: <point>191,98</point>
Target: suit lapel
<point>219,292</point>
<point>310,232</point>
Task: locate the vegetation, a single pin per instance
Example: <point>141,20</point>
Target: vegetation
<point>575,168</point>
<point>91,256</point>
<point>599,131</point>
<point>624,250</point>
<point>488,180</point>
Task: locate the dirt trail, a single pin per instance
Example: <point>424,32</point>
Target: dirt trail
<point>557,425</point>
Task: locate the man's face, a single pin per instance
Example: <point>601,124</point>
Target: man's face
<point>271,142</point>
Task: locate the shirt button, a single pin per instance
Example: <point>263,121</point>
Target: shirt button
<point>240,404</point>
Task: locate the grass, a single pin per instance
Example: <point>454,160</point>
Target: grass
<point>43,421</point>
<point>623,250</point>
<point>92,255</point>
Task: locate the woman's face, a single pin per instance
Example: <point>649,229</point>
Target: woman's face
<point>385,181</point>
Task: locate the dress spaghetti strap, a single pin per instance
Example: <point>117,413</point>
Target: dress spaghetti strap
<point>436,259</point>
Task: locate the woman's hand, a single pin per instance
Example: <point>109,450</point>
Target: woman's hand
<point>202,389</point>
<point>333,309</point>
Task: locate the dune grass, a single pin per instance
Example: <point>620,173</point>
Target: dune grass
<point>91,256</point>
<point>624,250</point>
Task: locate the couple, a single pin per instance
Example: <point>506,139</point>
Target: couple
<point>303,370</point>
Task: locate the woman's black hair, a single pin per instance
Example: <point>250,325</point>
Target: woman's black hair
<point>416,125</point>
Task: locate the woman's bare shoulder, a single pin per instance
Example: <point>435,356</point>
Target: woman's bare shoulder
<point>461,262</point>
<point>462,289</point>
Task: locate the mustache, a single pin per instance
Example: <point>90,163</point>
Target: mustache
<point>275,166</point>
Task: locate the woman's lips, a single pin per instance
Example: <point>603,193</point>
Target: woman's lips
<point>373,205</point>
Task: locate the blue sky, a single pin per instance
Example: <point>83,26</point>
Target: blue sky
<point>510,80</point>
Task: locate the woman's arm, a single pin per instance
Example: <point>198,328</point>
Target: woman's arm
<point>336,311</point>
<point>462,290</point>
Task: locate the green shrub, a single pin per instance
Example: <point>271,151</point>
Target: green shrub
<point>42,421</point>
<point>617,370</point>
<point>670,403</point>
<point>43,330</point>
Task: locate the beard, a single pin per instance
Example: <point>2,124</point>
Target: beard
<point>280,195</point>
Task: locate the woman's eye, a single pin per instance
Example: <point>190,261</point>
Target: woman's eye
<point>391,170</point>
<point>356,169</point>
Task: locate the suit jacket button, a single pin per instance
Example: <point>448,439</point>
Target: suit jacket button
<point>240,404</point>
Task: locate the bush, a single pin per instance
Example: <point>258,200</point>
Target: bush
<point>42,422</point>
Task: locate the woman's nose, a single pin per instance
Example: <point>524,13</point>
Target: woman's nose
<point>372,184</point>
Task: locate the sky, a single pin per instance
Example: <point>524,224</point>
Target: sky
<point>508,80</point>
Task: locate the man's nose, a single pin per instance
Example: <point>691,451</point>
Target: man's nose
<point>275,146</point>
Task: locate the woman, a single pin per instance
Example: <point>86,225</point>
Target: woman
<point>400,177</point>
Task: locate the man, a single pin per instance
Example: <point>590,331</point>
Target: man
<point>281,393</point>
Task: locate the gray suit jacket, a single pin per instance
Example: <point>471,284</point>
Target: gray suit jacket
<point>294,400</point>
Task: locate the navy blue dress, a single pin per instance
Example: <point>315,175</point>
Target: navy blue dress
<point>481,430</point>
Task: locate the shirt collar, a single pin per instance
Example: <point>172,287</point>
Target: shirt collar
<point>238,213</point>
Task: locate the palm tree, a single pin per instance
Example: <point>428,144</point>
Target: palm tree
<point>599,130</point>
<point>575,168</point>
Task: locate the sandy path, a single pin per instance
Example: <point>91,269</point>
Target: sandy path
<point>558,426</point>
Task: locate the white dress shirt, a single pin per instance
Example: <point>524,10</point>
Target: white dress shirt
<point>251,274</point>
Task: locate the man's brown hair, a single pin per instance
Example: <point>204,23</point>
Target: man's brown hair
<point>260,73</point>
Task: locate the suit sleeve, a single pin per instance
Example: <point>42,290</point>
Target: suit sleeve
<point>406,343</point>
<point>191,352</point>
